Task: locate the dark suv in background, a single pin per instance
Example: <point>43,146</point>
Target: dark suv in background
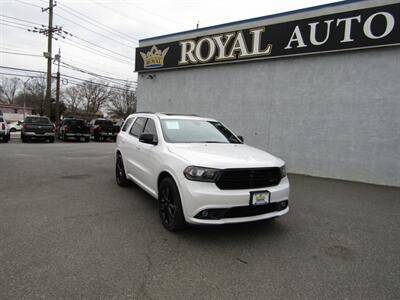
<point>74,128</point>
<point>36,127</point>
<point>103,129</point>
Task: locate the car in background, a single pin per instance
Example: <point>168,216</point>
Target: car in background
<point>199,171</point>
<point>74,128</point>
<point>36,127</point>
<point>4,130</point>
<point>15,126</point>
<point>103,129</point>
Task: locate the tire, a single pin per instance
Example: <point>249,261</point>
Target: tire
<point>23,139</point>
<point>5,138</point>
<point>170,205</point>
<point>51,140</point>
<point>64,137</point>
<point>120,175</point>
<point>96,138</point>
<point>87,140</point>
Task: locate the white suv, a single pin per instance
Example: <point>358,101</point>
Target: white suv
<point>4,130</point>
<point>200,172</point>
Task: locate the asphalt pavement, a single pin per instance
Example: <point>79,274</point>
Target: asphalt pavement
<point>68,231</point>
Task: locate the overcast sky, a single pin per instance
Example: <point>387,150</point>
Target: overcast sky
<point>125,21</point>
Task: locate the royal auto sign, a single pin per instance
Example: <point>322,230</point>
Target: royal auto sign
<point>352,30</point>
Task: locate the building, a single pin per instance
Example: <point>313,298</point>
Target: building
<point>318,87</point>
<point>13,113</point>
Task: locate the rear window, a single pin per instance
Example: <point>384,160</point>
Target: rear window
<point>37,120</point>
<point>104,123</point>
<point>76,122</point>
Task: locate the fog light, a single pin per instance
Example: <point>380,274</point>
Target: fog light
<point>204,213</point>
<point>284,204</point>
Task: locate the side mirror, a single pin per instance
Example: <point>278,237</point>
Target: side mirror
<point>147,138</point>
<point>240,138</point>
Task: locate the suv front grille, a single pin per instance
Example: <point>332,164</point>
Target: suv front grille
<point>234,179</point>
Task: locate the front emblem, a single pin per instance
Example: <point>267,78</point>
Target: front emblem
<point>154,58</point>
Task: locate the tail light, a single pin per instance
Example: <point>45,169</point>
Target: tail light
<point>3,127</point>
<point>24,126</point>
<point>66,129</point>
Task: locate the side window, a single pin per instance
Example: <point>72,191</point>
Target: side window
<point>127,124</point>
<point>151,128</point>
<point>138,126</point>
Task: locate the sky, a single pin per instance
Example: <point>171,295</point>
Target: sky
<point>102,35</point>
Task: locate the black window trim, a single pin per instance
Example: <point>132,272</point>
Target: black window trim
<point>144,125</point>
<point>128,130</point>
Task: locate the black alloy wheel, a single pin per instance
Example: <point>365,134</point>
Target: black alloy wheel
<point>169,205</point>
<point>120,175</point>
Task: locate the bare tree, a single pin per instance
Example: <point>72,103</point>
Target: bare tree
<point>73,99</point>
<point>95,95</point>
<point>123,102</point>
<point>9,88</point>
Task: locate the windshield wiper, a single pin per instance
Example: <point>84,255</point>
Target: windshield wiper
<point>213,142</point>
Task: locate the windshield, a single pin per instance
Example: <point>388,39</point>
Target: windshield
<point>76,122</point>
<point>196,131</point>
<point>104,123</point>
<point>37,120</point>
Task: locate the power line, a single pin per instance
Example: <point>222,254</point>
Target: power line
<point>17,19</point>
<point>154,14</point>
<point>112,79</point>
<point>30,4</point>
<point>14,26</point>
<point>20,69</point>
<point>23,54</point>
<point>96,52</point>
<point>95,32</point>
<point>93,44</point>
<point>41,72</point>
<point>96,23</point>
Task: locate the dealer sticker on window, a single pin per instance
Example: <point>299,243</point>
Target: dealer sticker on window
<point>259,198</point>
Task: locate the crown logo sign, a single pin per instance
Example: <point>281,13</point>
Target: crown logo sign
<point>154,58</point>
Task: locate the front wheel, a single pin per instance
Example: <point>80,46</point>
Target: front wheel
<point>120,174</point>
<point>170,206</point>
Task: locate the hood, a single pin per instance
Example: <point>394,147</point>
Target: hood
<point>223,156</point>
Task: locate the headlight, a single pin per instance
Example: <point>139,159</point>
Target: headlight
<point>200,173</point>
<point>283,171</point>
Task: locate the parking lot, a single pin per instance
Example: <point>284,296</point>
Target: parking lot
<point>68,231</point>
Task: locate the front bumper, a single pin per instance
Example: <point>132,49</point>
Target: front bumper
<point>200,196</point>
<point>34,134</point>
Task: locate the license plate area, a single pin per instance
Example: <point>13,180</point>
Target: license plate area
<point>260,198</point>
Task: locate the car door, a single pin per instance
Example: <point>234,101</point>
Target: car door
<point>123,136</point>
<point>132,148</point>
<point>148,157</point>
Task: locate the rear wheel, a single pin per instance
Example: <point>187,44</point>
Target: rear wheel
<point>87,140</point>
<point>64,137</point>
<point>51,140</point>
<point>120,174</point>
<point>170,206</point>
<point>5,138</point>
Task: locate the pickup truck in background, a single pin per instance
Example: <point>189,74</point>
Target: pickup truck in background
<point>73,128</point>
<point>103,129</point>
<point>4,130</point>
<point>36,127</point>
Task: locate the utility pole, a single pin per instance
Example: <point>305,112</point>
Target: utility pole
<point>57,110</point>
<point>48,55</point>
